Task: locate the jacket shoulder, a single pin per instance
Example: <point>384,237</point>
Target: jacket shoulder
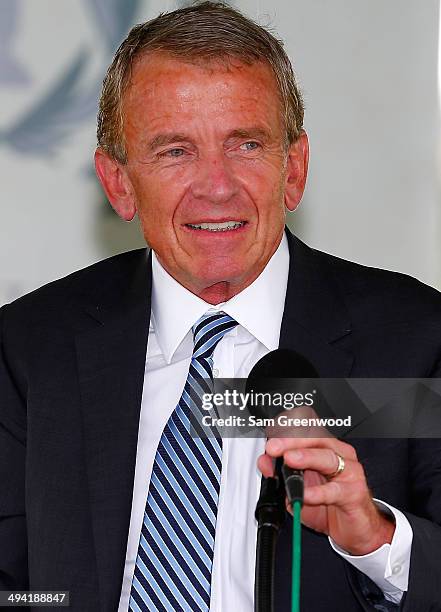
<point>374,291</point>
<point>53,302</point>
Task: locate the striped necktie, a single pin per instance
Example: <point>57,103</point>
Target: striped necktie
<point>175,553</point>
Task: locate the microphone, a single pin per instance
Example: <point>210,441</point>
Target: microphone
<point>265,378</point>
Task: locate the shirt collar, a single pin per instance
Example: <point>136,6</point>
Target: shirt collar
<point>258,308</point>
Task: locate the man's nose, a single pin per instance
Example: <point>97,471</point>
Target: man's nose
<point>215,180</point>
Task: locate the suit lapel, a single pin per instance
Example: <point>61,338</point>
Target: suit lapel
<point>315,320</point>
<point>111,363</point>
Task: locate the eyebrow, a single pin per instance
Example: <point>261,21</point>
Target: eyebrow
<point>252,132</point>
<point>162,140</point>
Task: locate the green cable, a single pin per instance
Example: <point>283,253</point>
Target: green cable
<point>296,556</point>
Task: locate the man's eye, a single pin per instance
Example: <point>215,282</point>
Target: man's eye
<point>176,152</point>
<point>249,146</point>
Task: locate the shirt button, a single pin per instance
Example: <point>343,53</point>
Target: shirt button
<point>215,372</point>
<point>396,569</point>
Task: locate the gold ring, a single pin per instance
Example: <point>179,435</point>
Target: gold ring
<point>340,467</point>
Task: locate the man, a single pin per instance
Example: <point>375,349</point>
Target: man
<point>200,134</point>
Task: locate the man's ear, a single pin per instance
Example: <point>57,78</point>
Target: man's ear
<point>296,171</point>
<point>116,185</point>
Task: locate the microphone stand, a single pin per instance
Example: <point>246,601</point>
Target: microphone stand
<point>270,516</point>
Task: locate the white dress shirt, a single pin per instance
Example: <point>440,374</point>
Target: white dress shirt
<point>258,310</point>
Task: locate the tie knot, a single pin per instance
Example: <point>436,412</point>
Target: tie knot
<point>208,331</point>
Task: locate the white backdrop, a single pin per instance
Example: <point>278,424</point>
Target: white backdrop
<point>369,75</point>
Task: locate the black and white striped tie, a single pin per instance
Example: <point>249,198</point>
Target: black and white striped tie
<point>175,554</point>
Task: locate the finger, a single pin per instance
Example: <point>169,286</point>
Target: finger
<point>337,493</point>
<point>323,460</point>
<point>328,494</point>
<point>265,465</point>
<point>276,447</point>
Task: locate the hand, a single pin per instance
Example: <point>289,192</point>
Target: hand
<point>341,507</point>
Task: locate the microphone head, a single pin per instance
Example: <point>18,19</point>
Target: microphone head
<point>282,363</point>
<point>269,375</point>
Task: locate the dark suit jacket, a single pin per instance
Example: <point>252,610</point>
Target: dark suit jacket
<point>71,377</point>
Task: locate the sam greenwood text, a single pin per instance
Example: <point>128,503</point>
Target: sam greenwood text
<point>282,420</point>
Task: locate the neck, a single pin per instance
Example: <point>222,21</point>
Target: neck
<point>224,290</point>
<point>217,293</point>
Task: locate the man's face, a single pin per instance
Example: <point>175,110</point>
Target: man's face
<point>207,169</point>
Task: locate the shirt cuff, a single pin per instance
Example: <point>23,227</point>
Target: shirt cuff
<point>388,566</point>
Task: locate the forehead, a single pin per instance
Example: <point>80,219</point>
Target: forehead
<point>162,85</point>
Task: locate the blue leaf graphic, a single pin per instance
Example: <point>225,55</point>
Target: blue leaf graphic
<point>48,123</point>
<point>114,18</point>
<point>12,71</point>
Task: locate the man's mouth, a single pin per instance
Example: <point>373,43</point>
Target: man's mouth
<point>224,226</point>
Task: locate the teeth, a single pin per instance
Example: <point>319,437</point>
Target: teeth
<point>217,227</point>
